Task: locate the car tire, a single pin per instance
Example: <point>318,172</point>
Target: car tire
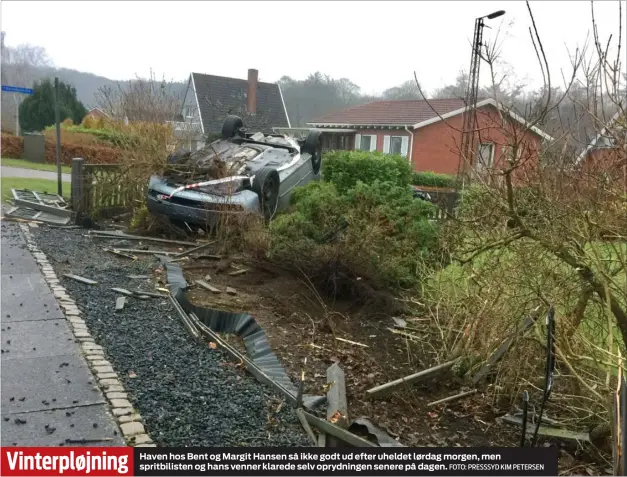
<point>313,146</point>
<point>232,127</point>
<point>266,185</point>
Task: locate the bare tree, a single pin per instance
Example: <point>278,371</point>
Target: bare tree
<point>141,99</point>
<point>19,68</point>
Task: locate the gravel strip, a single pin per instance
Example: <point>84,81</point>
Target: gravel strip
<point>188,394</point>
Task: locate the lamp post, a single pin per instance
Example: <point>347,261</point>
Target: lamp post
<point>469,116</point>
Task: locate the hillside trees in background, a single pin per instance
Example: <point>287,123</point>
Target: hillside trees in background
<point>37,110</point>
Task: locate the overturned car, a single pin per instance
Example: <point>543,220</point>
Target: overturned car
<point>239,173</point>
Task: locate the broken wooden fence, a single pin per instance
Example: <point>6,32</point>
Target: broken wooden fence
<point>100,189</point>
<point>445,202</point>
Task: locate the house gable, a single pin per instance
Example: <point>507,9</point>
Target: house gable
<point>218,96</point>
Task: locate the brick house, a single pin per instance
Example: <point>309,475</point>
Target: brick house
<point>607,154</point>
<point>429,139</point>
<point>97,113</point>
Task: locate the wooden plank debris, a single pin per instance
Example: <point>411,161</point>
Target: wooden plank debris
<point>351,342</point>
<point>195,249</point>
<point>149,294</point>
<point>123,291</point>
<point>385,389</point>
<point>123,236</point>
<point>119,303</point>
<point>337,431</point>
<point>231,291</point>
<point>337,404</point>
<point>143,252</point>
<point>138,277</point>
<point>455,397</point>
<point>322,440</point>
<point>120,253</point>
<point>208,287</point>
<point>306,426</point>
<point>546,431</point>
<point>238,272</point>
<point>80,279</point>
<point>501,350</point>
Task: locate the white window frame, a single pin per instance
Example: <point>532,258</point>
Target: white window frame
<point>361,143</point>
<point>400,150</point>
<point>481,164</point>
<point>188,111</point>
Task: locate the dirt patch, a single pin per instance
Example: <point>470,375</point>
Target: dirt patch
<point>300,324</point>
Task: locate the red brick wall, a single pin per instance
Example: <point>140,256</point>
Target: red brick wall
<point>436,147</point>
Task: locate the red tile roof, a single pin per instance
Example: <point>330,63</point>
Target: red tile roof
<point>396,113</point>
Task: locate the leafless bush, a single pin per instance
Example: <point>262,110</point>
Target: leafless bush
<point>545,227</point>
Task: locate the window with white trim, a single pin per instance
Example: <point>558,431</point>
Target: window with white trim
<point>396,144</point>
<point>365,143</point>
<point>189,111</point>
<point>485,155</point>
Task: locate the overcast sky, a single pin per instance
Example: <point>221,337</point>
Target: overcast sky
<point>375,44</point>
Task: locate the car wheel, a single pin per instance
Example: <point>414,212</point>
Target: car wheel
<point>313,146</point>
<point>266,185</point>
<point>232,127</point>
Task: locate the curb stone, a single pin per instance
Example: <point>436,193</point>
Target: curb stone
<point>128,420</point>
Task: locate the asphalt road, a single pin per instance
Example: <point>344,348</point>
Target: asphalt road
<point>32,174</point>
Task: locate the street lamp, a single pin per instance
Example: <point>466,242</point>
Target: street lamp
<point>468,131</point>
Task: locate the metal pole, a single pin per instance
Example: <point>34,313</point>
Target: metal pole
<point>57,115</point>
<point>17,115</point>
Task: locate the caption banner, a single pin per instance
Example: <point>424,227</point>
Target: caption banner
<point>371,462</point>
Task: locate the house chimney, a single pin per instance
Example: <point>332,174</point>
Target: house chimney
<point>252,91</point>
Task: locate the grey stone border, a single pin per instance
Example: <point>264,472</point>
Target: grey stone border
<point>128,419</point>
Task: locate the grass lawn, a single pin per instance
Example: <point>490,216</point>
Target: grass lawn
<point>39,185</point>
<point>33,165</point>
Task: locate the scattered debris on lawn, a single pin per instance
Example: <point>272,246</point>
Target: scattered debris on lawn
<point>231,291</point>
<point>119,303</point>
<point>382,437</point>
<point>195,249</point>
<point>351,342</point>
<point>137,251</point>
<point>120,253</point>
<point>139,277</point>
<point>455,397</point>
<point>555,432</point>
<point>206,286</point>
<point>80,279</point>
<point>238,272</point>
<point>123,236</point>
<point>384,389</point>
<point>122,291</point>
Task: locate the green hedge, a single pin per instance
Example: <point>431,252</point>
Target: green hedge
<point>346,168</point>
<point>112,137</point>
<point>432,179</point>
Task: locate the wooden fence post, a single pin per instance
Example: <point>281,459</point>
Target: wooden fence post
<point>78,186</point>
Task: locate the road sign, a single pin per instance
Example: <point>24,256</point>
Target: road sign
<point>16,89</point>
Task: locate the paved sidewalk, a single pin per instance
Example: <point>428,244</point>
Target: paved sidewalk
<point>48,393</point>
<point>8,171</point>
